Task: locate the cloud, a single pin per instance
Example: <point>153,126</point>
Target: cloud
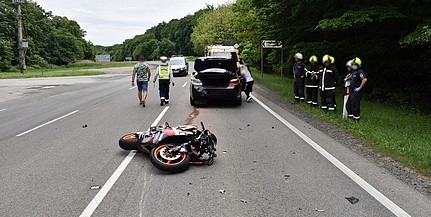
<point>111,22</point>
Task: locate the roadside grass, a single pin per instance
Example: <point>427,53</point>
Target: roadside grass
<point>48,73</point>
<point>75,69</point>
<point>402,135</point>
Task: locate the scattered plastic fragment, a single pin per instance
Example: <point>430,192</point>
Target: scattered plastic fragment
<point>222,191</point>
<point>320,210</point>
<point>95,187</point>
<point>244,201</point>
<point>286,176</point>
<point>224,152</point>
<point>85,126</point>
<point>352,199</point>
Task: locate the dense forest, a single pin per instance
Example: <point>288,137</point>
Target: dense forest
<point>52,39</point>
<point>163,39</point>
<point>393,38</point>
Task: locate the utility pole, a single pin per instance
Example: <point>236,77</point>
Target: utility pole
<point>22,44</point>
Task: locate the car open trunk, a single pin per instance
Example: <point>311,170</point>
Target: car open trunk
<point>205,63</point>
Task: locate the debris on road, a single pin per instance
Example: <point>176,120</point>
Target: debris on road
<point>255,161</point>
<point>248,125</point>
<point>95,187</point>
<point>85,126</point>
<point>352,199</point>
<point>188,194</point>
<point>244,201</point>
<point>190,183</point>
<point>286,177</point>
<point>240,128</point>
<point>222,191</point>
<point>224,152</point>
<point>273,127</point>
<point>320,210</point>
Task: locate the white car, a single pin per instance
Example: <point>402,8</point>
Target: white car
<point>179,66</point>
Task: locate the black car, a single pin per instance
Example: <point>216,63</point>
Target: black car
<point>215,78</point>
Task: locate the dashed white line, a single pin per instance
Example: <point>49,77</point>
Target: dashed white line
<point>395,209</point>
<point>49,122</point>
<point>89,210</point>
<point>184,84</point>
<point>132,88</point>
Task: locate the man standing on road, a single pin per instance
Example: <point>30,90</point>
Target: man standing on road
<point>328,79</point>
<point>358,81</point>
<point>165,76</point>
<point>299,74</point>
<point>312,81</point>
<point>143,72</point>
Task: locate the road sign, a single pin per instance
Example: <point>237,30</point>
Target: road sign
<point>272,44</point>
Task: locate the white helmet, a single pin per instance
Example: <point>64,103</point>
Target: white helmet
<point>299,56</point>
<point>349,63</point>
<point>163,58</point>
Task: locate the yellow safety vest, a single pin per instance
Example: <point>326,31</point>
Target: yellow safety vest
<point>164,73</point>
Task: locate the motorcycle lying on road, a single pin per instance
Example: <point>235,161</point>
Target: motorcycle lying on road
<point>172,149</point>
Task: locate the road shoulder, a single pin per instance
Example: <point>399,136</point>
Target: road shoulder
<point>408,176</point>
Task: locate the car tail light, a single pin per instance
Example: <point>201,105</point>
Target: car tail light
<point>196,81</point>
<point>234,82</point>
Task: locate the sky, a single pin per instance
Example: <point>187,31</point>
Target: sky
<point>109,22</point>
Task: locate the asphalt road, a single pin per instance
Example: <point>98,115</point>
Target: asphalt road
<point>59,138</point>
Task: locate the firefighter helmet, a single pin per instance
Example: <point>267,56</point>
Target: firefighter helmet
<point>357,61</point>
<point>299,56</point>
<point>327,58</point>
<point>349,63</point>
<point>313,59</point>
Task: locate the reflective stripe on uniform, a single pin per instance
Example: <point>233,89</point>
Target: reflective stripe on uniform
<point>164,73</point>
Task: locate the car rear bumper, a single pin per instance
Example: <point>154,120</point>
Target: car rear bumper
<point>179,72</point>
<point>198,92</point>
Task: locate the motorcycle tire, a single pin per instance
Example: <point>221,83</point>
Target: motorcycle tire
<point>177,163</point>
<point>129,142</point>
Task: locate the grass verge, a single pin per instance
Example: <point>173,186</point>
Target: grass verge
<point>75,69</point>
<point>402,135</point>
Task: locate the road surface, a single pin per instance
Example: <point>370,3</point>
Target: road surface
<point>59,156</point>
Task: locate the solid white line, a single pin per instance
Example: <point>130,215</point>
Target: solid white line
<point>132,88</point>
<point>91,207</point>
<point>49,122</point>
<point>395,209</point>
<point>2,110</point>
<point>184,84</point>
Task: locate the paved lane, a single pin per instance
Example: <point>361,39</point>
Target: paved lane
<point>264,168</point>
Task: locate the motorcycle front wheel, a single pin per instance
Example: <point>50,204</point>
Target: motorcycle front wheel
<point>129,141</point>
<point>163,160</point>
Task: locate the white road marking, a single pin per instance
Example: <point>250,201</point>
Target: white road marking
<point>184,84</point>
<point>49,122</point>
<point>132,88</point>
<point>2,110</point>
<point>91,207</point>
<point>395,209</point>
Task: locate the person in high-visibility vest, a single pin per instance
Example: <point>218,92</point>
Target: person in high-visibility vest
<point>165,76</point>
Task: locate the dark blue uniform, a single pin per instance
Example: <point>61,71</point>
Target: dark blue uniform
<point>312,83</point>
<point>327,80</point>
<point>353,105</point>
<point>299,82</point>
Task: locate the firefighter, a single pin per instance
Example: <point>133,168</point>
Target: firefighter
<point>312,80</point>
<point>165,76</point>
<point>299,74</point>
<point>357,83</point>
<point>327,80</point>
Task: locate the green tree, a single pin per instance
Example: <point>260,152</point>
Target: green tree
<point>214,27</point>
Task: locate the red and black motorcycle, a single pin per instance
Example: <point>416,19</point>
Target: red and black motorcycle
<point>172,149</point>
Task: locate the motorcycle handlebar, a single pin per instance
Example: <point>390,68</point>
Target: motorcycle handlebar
<point>202,124</point>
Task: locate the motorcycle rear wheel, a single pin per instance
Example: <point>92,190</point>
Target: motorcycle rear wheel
<point>129,141</point>
<point>162,161</point>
